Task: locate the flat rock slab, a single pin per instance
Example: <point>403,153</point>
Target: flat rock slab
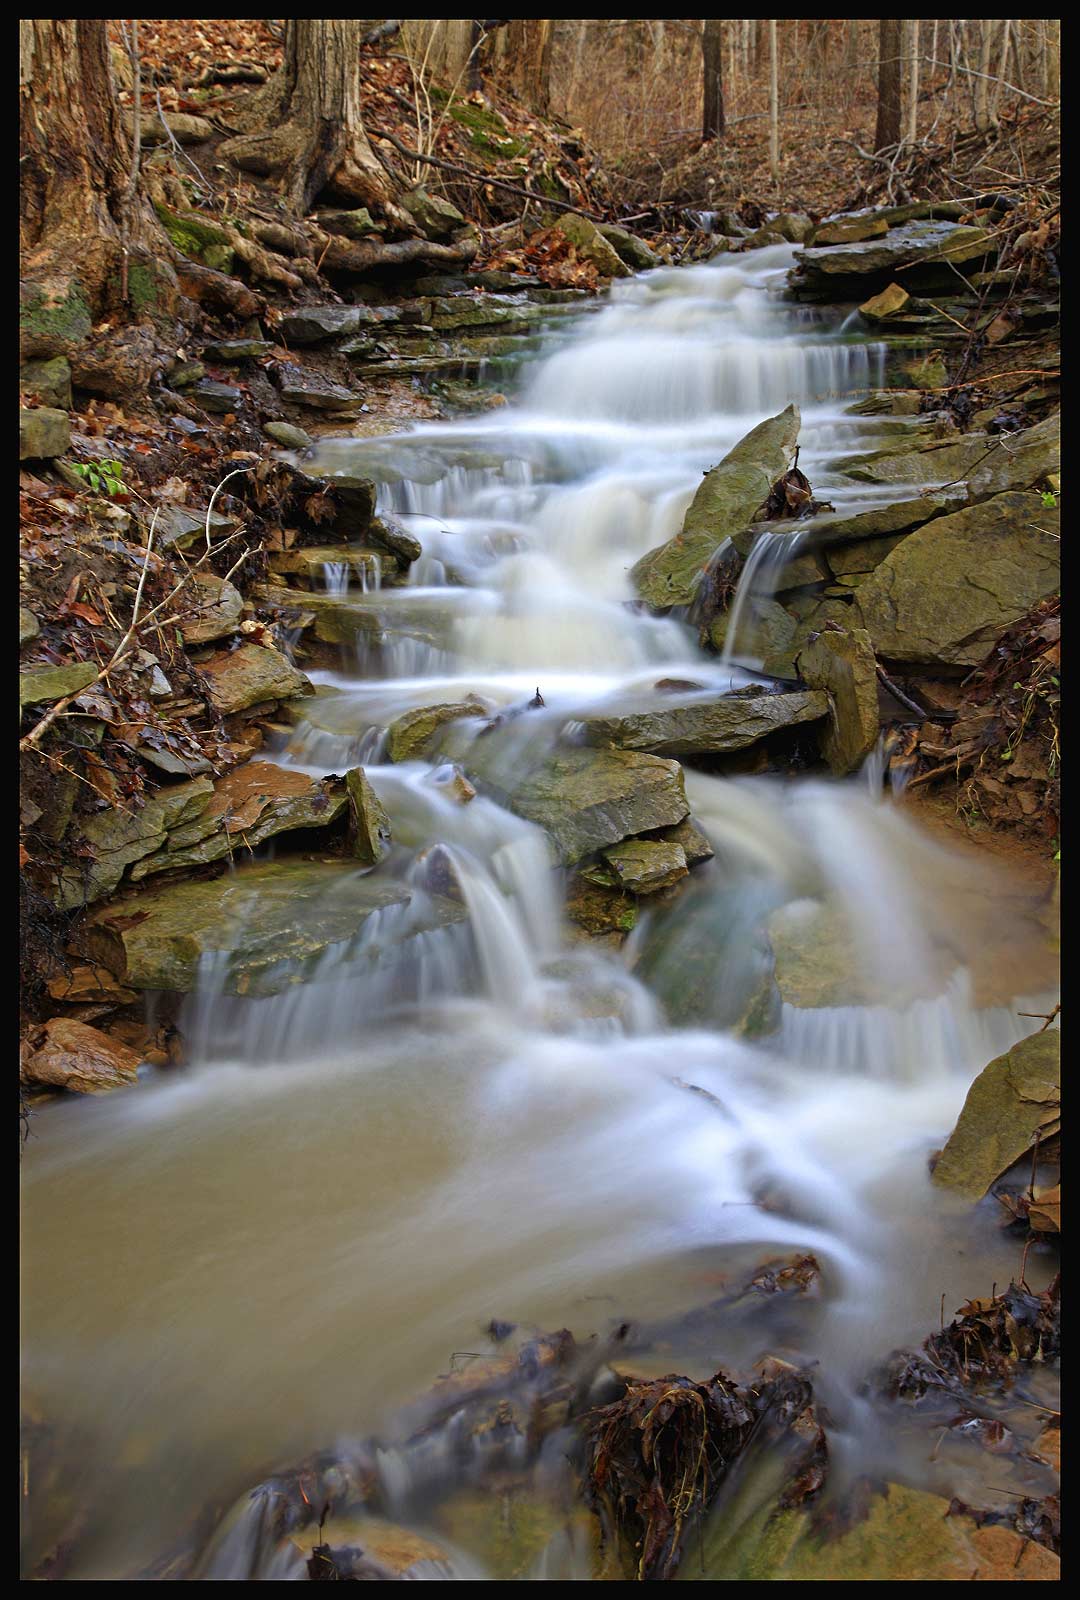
<point>704,726</point>
<point>643,866</point>
<point>276,919</point>
<point>217,606</point>
<point>948,592</point>
<point>411,735</point>
<point>1013,1100</point>
<point>311,389</point>
<point>924,242</point>
<point>725,501</point>
<point>250,676</point>
<point>313,324</point>
<point>38,685</point>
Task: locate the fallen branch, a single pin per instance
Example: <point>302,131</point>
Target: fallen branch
<point>480,177</point>
<point>898,694</point>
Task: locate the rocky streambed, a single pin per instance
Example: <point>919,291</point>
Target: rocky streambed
<point>555,961</point>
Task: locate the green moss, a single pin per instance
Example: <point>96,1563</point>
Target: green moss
<point>143,289</point>
<point>66,321</point>
<point>487,131</point>
<point>199,239</point>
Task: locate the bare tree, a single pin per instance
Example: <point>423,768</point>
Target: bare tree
<point>774,106</point>
<point>913,85</point>
<point>712,45</point>
<point>310,128</point>
<point>984,118</point>
<point>890,40</point>
<point>521,57</point>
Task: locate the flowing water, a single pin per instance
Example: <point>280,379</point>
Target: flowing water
<point>274,1249</point>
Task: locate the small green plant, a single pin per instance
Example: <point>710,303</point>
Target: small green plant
<point>1050,499</point>
<point>103,475</point>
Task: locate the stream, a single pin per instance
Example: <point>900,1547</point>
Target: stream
<point>275,1249</point>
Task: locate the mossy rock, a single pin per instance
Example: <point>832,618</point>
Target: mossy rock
<point>1014,1101</point>
<point>197,238</point>
<point>52,324</point>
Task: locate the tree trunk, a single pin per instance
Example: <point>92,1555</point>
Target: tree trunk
<point>90,242</point>
<point>913,85</point>
<point>314,138</point>
<point>522,60</point>
<point>774,106</point>
<point>890,39</point>
<point>712,44</point>
<point>983,116</point>
<point>1052,60</point>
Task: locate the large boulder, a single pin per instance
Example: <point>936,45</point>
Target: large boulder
<point>726,499</point>
<point>952,588</point>
<point>1012,1103</point>
<point>707,725</point>
<point>274,918</point>
<point>590,245</point>
<point>843,665</point>
<point>66,1054</point>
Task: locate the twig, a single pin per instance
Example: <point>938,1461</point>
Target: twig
<point>898,694</point>
<point>480,177</point>
<point>1048,1016</point>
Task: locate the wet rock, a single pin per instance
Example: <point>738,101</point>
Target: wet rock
<point>691,839</point>
<point>899,516</point>
<point>411,735</point>
<point>707,726</point>
<point>49,382</point>
<point>768,632</point>
<point>39,685</point>
<point>435,217</point>
<point>708,962</point>
<point>304,387</point>
<point>848,230</point>
<point>250,676</point>
<point>180,528</point>
<point>84,984</point>
<point>1031,459</point>
<point>600,908</point>
<point>233,350</point>
<point>275,918</point>
<point>217,606</point>
<point>591,245</point>
<point>65,1054</point>
<point>248,805</point>
<point>1013,1101</point>
<point>369,824</point>
<point>310,561</point>
<point>843,664</point>
<point>794,226</point>
<point>44,433</point>
<point>724,504</point>
<point>929,373</point>
<point>952,588</point>
<point>217,397</point>
<point>643,866</point>
<point>632,252</point>
<point>314,324</point>
<point>114,840</point>
<point>285,434</point>
<point>889,303</point>
<point>584,798</point>
<point>388,532</point>
<point>765,235</point>
<point>906,1535</point>
<point>917,461</point>
<point>29,626</point>
<point>817,959</point>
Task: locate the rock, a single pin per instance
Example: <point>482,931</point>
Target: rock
<point>284,433</point>
<point>897,516</point>
<point>217,606</point>
<point>817,958</point>
<point>276,918</point>
<point>632,252</point>
<point>182,374</point>
<point>644,865</point>
<point>708,963</point>
<point>843,664</point>
<point>768,633</point>
<point>306,388</point>
<point>929,373</point>
<point>38,685</point>
<point>248,805</point>
<point>888,303</point>
<point>725,501</point>
<point>1028,459</point>
<point>49,382</point>
<point>313,324</point>
<point>919,462</point>
<point>220,398</point>
<point>44,433</point>
<point>906,1535</point>
<point>69,1055</point>
<point>410,736</point>
<point>29,626</point>
<point>706,726</point>
<point>250,676</point>
<point>691,840</point>
<point>933,249</point>
<point>584,798</point>
<point>848,230</point>
<point>849,563</point>
<point>590,245</point>
<point>1013,1100</point>
<point>116,839</point>
<point>357,224</point>
<point>82,984</point>
<point>437,218</point>
<point>600,909</point>
<point>176,766</point>
<point>368,1550</point>
<point>388,532</point>
<point>794,226</point>
<point>196,236</point>
<point>184,127</point>
<point>310,561</point>
<point>231,350</point>
<point>369,823</point>
<point>181,528</point>
<point>763,236</point>
<point>952,588</point>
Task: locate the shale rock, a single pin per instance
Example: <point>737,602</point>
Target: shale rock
<point>44,433</point>
<point>369,823</point>
<point>252,675</point>
<point>591,245</point>
<point>843,665</point>
<point>411,735</point>
<point>1013,1101</point>
<point>707,726</point>
<point>66,1054</point>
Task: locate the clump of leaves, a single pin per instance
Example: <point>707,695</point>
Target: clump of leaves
<point>103,476</point>
<point>986,1341</point>
<point>790,497</point>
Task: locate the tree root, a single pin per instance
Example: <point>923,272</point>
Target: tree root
<point>216,290</point>
<point>346,255</point>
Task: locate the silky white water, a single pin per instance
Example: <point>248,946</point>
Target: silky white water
<point>277,1246</point>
